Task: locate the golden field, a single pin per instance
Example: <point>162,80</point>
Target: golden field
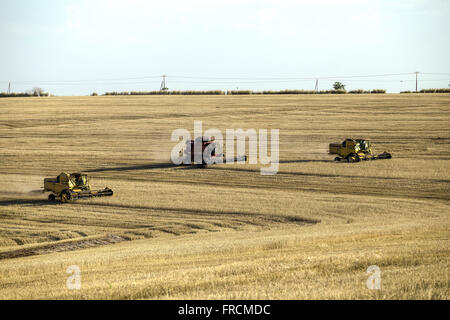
<point>226,232</point>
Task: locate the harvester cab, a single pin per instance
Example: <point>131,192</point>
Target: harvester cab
<point>71,186</point>
<point>195,149</point>
<point>81,181</point>
<point>206,150</point>
<point>355,150</point>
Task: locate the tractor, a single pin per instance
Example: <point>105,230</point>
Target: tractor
<point>355,150</point>
<point>71,186</point>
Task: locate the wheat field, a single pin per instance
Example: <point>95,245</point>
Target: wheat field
<point>225,231</point>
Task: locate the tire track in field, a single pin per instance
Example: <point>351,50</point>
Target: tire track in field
<point>429,189</point>
<point>129,222</point>
<point>59,247</point>
<point>185,220</point>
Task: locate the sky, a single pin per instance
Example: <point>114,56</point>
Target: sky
<point>76,47</point>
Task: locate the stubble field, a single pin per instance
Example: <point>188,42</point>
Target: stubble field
<point>308,232</point>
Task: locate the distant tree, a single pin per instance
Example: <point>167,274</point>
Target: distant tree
<point>338,86</point>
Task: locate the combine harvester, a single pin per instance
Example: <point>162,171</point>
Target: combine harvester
<point>355,150</point>
<point>72,186</point>
<point>211,146</point>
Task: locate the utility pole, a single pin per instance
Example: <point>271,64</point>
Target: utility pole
<point>417,72</point>
<point>163,83</point>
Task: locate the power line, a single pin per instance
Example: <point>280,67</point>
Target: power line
<point>294,78</point>
<point>217,78</point>
<point>97,84</point>
<point>71,81</point>
<point>230,82</point>
<point>436,73</point>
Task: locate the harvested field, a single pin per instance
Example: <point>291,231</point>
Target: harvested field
<point>308,232</point>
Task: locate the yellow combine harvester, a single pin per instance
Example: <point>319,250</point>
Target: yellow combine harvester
<point>71,186</point>
<point>355,151</point>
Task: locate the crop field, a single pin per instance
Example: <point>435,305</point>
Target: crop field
<point>226,231</point>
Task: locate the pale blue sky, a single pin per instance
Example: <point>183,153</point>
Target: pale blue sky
<point>242,42</point>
